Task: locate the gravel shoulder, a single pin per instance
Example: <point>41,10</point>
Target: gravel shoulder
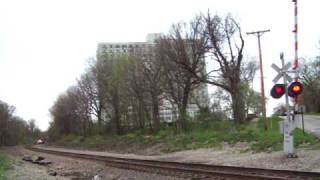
<point>21,170</point>
<point>308,159</point>
<point>68,168</point>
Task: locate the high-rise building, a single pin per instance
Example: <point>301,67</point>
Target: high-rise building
<point>146,50</point>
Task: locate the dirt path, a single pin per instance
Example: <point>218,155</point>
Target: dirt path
<point>68,168</point>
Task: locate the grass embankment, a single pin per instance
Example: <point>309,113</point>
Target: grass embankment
<point>204,135</point>
<point>4,166</point>
<point>313,114</point>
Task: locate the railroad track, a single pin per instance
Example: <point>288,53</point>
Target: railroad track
<point>188,170</point>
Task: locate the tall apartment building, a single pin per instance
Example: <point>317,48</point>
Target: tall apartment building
<point>141,49</point>
<point>145,50</point>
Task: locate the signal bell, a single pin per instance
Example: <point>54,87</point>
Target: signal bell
<point>277,91</point>
<point>295,89</point>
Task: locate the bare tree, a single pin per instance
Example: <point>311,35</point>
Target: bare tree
<point>224,46</point>
<point>153,78</point>
<point>184,45</point>
<point>137,92</point>
<point>92,94</point>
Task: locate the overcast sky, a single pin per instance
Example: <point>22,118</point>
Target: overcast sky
<point>44,44</point>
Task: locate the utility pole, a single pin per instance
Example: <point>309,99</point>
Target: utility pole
<point>263,100</point>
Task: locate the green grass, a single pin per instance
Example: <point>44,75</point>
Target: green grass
<point>272,140</point>
<point>209,134</point>
<point>313,113</point>
<point>4,166</point>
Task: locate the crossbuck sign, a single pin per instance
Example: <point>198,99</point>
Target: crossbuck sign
<point>282,72</point>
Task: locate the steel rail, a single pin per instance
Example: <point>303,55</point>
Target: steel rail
<point>194,170</point>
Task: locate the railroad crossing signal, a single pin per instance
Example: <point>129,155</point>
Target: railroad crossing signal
<point>294,89</point>
<point>277,91</point>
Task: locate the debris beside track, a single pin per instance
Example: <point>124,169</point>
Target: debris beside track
<point>40,160</point>
<point>63,168</point>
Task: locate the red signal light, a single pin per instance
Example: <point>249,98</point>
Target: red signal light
<point>277,91</point>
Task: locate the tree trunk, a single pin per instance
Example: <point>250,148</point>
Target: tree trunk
<point>184,106</point>
<point>182,125</point>
<point>84,130</point>
<point>155,113</point>
<point>99,117</point>
<point>116,108</point>
<point>238,105</point>
<point>141,113</point>
<point>134,115</point>
<point>148,118</point>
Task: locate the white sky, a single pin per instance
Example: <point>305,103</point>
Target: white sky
<point>44,44</point>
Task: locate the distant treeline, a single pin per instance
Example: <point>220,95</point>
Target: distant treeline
<point>13,129</point>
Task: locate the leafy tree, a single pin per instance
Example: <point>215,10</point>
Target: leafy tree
<point>65,112</point>
<point>310,77</point>
<point>252,101</point>
<point>111,74</point>
<point>13,129</point>
<point>6,113</point>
